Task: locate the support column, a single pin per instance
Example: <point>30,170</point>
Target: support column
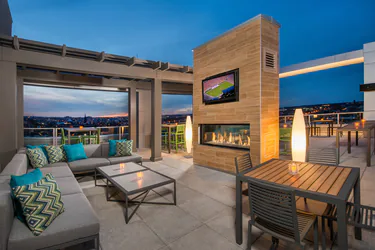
<point>133,116</point>
<point>156,96</point>
<point>20,113</point>
<point>8,112</point>
<point>369,77</point>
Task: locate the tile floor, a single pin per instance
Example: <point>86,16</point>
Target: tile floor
<point>205,213</point>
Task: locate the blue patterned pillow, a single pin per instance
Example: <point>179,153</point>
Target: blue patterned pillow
<point>124,148</point>
<point>55,154</point>
<point>41,146</point>
<point>41,203</point>
<point>37,157</point>
<point>21,180</point>
<point>112,147</point>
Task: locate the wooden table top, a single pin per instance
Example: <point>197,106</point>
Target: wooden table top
<point>366,126</point>
<point>312,177</point>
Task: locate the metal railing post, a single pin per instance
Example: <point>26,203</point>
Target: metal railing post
<point>338,118</point>
<point>54,136</point>
<point>284,119</point>
<point>309,119</point>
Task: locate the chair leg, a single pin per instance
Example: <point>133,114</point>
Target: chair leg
<point>330,224</point>
<point>323,234</point>
<point>275,242</point>
<point>249,236</point>
<point>316,236</point>
<point>97,243</point>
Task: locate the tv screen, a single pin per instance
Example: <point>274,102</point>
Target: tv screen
<point>221,88</point>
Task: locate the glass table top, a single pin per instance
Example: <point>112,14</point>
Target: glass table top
<point>122,168</point>
<point>139,180</point>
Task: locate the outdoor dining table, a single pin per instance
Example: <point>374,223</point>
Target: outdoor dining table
<point>330,126</point>
<point>169,126</point>
<point>367,127</point>
<point>80,130</point>
<point>324,183</point>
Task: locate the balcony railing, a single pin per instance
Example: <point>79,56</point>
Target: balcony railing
<point>339,118</point>
<point>52,136</point>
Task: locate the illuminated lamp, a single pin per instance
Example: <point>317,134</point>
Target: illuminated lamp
<point>299,137</point>
<point>188,134</point>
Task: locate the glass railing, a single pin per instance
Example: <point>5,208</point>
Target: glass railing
<point>338,118</point>
<point>52,136</point>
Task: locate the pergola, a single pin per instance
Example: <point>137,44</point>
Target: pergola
<point>25,61</point>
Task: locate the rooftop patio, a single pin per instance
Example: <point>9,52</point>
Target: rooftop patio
<point>205,213</point>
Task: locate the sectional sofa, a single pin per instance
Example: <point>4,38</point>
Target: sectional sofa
<point>78,224</point>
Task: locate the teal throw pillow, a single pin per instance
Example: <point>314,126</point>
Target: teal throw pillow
<point>21,180</point>
<point>75,152</point>
<point>41,203</point>
<point>41,146</point>
<point>55,154</point>
<point>124,148</point>
<point>37,157</point>
<point>112,147</point>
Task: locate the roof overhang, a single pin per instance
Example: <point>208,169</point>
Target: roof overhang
<point>340,60</point>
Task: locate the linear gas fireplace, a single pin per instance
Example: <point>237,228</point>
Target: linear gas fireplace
<point>236,136</point>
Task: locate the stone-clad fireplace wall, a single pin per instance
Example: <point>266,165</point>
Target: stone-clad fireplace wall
<point>243,47</point>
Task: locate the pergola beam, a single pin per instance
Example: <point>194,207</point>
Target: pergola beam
<point>102,57</point>
<point>131,61</point>
<point>164,66</point>
<point>54,62</point>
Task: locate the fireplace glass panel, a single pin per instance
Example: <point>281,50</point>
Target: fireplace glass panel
<point>225,135</point>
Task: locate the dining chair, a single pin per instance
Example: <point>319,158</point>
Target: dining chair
<point>273,210</point>
<point>164,136</point>
<point>286,137</point>
<point>243,163</point>
<point>357,215</point>
<point>64,138</point>
<point>178,137</point>
<point>95,137</point>
<point>322,156</point>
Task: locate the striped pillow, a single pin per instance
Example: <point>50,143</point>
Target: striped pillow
<point>37,157</point>
<point>55,154</point>
<point>41,203</point>
<point>124,148</point>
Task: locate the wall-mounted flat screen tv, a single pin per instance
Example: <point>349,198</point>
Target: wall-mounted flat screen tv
<point>220,88</point>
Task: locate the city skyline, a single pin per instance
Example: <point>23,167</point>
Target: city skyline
<point>61,102</point>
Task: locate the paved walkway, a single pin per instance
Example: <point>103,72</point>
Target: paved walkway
<point>204,217</point>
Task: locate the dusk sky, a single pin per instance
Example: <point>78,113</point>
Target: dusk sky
<point>169,30</point>
<point>46,101</point>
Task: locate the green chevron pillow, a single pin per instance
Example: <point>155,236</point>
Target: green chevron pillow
<point>41,203</point>
<point>37,157</point>
<point>55,154</point>
<point>124,148</point>
<point>64,159</point>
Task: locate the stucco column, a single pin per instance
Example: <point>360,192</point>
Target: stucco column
<point>20,113</point>
<point>8,111</point>
<point>133,116</point>
<point>369,77</point>
<point>156,91</point>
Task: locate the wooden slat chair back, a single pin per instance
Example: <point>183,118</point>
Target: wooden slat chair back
<point>273,209</point>
<point>243,163</point>
<point>325,156</point>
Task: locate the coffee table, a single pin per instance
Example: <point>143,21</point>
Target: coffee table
<point>133,179</point>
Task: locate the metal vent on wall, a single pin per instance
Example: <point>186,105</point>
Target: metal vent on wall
<point>270,60</point>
